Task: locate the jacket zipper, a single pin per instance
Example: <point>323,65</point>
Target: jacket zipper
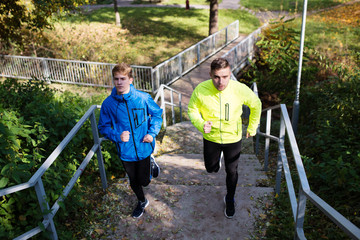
<point>220,119</point>
<point>131,127</point>
<point>118,144</point>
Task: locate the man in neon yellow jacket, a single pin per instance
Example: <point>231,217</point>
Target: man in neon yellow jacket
<point>215,109</point>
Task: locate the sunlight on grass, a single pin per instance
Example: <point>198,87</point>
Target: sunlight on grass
<point>335,34</point>
<point>148,35</point>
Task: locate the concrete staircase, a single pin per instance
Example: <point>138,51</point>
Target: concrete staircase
<point>186,202</point>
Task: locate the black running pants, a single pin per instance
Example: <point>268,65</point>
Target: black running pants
<point>231,151</point>
<point>139,176</point>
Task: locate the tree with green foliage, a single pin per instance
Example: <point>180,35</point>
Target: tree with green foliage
<point>20,18</point>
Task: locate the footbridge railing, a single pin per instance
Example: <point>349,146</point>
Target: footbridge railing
<point>298,204</point>
<point>172,69</point>
<point>99,74</point>
<point>36,180</point>
<point>239,56</point>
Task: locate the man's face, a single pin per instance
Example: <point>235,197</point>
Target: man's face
<point>221,78</point>
<point>122,83</point>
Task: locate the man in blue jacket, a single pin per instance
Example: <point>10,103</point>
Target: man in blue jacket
<point>131,119</point>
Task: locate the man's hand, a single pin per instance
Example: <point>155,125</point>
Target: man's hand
<point>248,135</point>
<point>125,136</point>
<point>148,138</point>
<point>207,127</point>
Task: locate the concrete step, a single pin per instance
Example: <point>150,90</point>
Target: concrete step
<point>189,169</point>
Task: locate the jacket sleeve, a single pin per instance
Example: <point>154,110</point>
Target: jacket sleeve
<point>105,126</point>
<point>254,103</point>
<point>156,120</point>
<point>194,112</point>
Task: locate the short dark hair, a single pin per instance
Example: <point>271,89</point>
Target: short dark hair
<point>219,63</point>
<point>122,68</point>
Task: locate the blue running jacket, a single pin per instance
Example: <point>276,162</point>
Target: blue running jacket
<point>135,112</point>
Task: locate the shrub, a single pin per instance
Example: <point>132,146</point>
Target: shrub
<point>34,120</point>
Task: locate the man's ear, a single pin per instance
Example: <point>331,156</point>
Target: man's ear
<point>131,79</point>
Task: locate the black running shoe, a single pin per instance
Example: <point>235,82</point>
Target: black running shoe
<point>229,208</point>
<point>154,167</point>
<point>140,208</point>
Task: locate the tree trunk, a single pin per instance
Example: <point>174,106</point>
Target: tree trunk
<point>213,21</point>
<point>117,14</point>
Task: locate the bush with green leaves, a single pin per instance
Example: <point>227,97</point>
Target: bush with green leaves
<point>330,136</point>
<point>275,64</point>
<point>328,129</point>
<point>34,119</point>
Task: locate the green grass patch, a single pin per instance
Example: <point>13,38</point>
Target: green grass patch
<point>289,5</point>
<point>148,35</point>
<point>335,34</point>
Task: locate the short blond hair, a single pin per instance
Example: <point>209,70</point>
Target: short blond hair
<point>122,68</point>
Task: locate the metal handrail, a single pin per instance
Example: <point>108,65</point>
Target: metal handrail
<point>298,206</point>
<point>161,94</point>
<point>36,181</point>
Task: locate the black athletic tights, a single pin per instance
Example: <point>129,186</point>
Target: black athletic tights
<point>231,151</point>
<point>139,176</point>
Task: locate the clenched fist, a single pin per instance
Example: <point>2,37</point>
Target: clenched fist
<point>207,127</point>
<point>148,138</point>
<point>125,136</point>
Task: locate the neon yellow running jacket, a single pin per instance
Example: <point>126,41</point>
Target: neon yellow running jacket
<point>223,109</point>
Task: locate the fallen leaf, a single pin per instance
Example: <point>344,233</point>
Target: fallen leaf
<point>99,231</point>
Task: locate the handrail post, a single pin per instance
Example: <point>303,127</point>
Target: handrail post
<point>279,162</point>
<point>44,206</point>
<point>226,35</point>
<point>46,72</point>
<point>198,54</point>
<point>278,173</point>
<point>300,215</point>
<point>172,106</point>
<point>267,140</point>
<point>163,106</point>
<point>180,65</point>
<point>152,80</point>
<point>98,151</point>
<point>180,107</point>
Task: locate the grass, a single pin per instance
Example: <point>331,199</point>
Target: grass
<point>335,34</point>
<point>289,5</point>
<point>148,35</point>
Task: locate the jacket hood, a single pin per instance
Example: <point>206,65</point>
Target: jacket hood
<point>123,97</point>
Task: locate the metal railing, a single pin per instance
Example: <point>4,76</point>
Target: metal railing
<point>99,74</point>
<point>161,94</point>
<point>69,71</point>
<point>238,57</point>
<point>298,206</point>
<point>36,180</point>
<point>172,69</point>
